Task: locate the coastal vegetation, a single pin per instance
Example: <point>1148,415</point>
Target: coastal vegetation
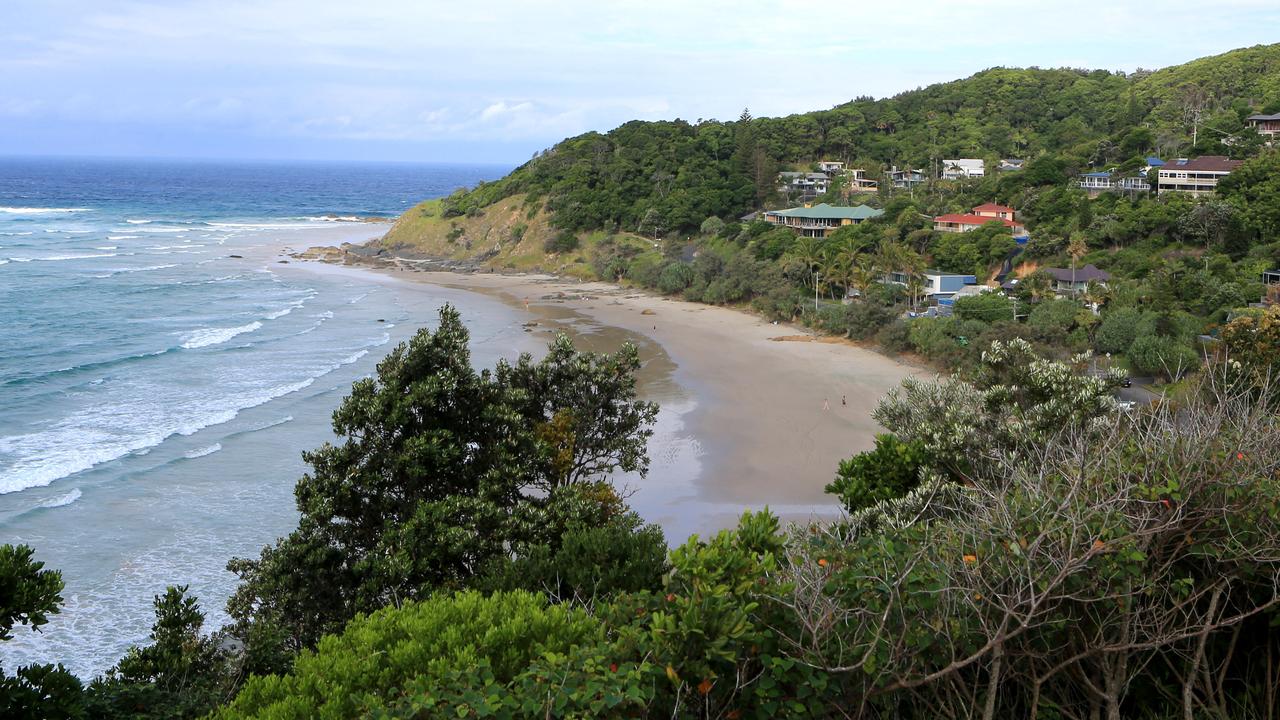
<point>1016,544</point>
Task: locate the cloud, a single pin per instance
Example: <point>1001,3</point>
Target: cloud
<point>418,73</point>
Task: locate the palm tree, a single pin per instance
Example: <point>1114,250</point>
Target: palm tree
<point>863,275</point>
<point>808,252</point>
<point>915,287</point>
<point>1096,294</point>
<point>1077,249</point>
<point>1038,285</point>
<point>833,270</point>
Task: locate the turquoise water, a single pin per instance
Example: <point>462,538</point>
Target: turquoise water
<point>155,392</point>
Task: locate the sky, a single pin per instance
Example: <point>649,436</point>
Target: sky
<point>496,80</point>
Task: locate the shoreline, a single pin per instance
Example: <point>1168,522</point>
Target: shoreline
<point>775,408</point>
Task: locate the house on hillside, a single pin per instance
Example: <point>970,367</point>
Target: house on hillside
<point>963,168</point>
<point>1267,125</point>
<point>981,215</point>
<point>858,181</point>
<point>993,210</point>
<point>906,179</point>
<point>937,284</point>
<point>1010,164</point>
<point>822,219</point>
<point>1199,176</point>
<point>806,185</point>
<point>1096,183</point>
<point>1071,283</point>
<point>831,167</point>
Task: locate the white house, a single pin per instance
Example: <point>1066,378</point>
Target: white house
<point>962,168</point>
<point>806,184</point>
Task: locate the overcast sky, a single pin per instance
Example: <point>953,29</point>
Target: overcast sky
<point>495,80</point>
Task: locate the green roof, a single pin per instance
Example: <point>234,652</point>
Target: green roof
<point>825,211</point>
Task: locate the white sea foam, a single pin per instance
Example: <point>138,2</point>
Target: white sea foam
<point>100,434</point>
<point>138,222</point>
<point>106,247</point>
<point>352,358</point>
<point>123,237</point>
<point>62,500</point>
<point>55,258</point>
<point>285,311</point>
<point>4,262</point>
<point>14,234</point>
<point>267,226</point>
<point>201,452</point>
<point>39,211</point>
<point>148,268</point>
<point>205,337</point>
<point>163,230</point>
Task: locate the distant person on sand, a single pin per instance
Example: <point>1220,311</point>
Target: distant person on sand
<point>844,400</point>
<point>825,405</point>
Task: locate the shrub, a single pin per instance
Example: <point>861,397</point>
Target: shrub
<point>1162,356</point>
<point>895,337</point>
<point>1053,319</point>
<point>563,242</point>
<point>862,320</point>
<point>645,270</point>
<point>590,563</point>
<point>350,674</point>
<point>675,277</point>
<point>1118,330</point>
<point>712,226</point>
<point>889,471</point>
<point>988,307</point>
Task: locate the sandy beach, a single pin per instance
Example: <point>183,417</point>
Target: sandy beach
<point>773,407</point>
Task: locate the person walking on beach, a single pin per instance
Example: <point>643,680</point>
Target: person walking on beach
<point>844,400</point>
<point>825,405</point>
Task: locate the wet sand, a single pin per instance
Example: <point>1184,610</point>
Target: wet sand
<point>768,410</point>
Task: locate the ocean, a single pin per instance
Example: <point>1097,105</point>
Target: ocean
<point>161,368</point>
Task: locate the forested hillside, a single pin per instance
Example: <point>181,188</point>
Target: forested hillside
<point>657,204</point>
<point>663,177</point>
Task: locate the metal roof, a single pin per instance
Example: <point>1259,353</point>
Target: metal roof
<point>831,212</point>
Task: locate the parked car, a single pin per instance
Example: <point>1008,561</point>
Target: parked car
<point>1126,382</point>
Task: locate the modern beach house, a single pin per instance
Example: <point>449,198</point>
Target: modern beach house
<point>1198,176</point>
<point>906,179</point>
<point>822,219</point>
<point>805,185</point>
<point>1096,183</point>
<point>962,168</point>
<point>937,284</point>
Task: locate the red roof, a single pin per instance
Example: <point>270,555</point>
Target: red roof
<point>992,207</point>
<point>960,219</point>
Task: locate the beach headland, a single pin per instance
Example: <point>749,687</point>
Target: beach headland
<point>774,408</point>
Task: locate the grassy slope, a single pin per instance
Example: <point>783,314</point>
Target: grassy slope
<point>489,239</point>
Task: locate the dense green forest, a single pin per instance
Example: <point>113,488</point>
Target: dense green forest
<point>1015,546</point>
<point>657,204</point>
<point>670,176</point>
